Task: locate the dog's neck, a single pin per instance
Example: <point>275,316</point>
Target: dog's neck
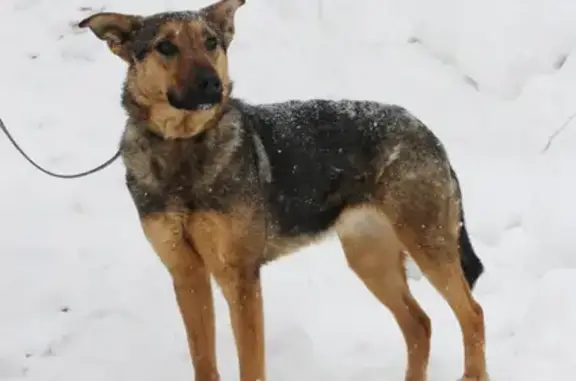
<point>167,122</point>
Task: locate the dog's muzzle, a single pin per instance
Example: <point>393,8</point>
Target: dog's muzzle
<point>203,94</point>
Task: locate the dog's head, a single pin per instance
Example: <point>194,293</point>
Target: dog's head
<point>178,67</point>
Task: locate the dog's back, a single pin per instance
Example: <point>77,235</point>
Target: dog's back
<point>328,156</point>
<point>322,157</point>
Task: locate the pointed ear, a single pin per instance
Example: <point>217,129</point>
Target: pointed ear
<point>221,16</point>
<point>116,29</point>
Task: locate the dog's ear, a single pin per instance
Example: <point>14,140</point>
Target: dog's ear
<point>221,15</point>
<point>116,29</point>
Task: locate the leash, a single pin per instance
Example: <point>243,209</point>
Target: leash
<point>49,173</point>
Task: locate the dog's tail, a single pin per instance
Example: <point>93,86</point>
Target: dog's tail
<point>471,264</point>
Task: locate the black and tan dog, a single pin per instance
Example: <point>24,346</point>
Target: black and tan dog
<point>223,187</point>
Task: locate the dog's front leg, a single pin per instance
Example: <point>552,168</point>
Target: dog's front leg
<point>192,287</point>
<point>242,289</point>
<point>194,296</point>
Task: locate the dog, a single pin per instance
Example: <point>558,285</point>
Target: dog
<point>223,187</point>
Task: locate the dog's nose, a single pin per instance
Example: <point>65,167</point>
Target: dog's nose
<point>205,90</point>
<point>209,83</point>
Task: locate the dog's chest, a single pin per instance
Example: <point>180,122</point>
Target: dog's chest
<point>165,177</point>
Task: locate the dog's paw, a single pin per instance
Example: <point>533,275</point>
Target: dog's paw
<point>480,378</point>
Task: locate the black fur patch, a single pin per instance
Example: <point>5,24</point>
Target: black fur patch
<point>319,158</point>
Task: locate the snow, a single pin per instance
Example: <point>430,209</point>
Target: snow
<point>84,297</point>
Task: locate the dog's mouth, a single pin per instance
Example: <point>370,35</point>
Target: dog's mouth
<point>205,106</point>
<point>194,101</point>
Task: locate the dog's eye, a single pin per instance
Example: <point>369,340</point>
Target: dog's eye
<point>167,48</point>
<point>211,43</point>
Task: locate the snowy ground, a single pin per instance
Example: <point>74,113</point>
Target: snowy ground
<point>82,296</point>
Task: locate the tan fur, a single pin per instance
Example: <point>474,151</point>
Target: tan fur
<point>374,239</point>
<point>376,255</point>
<point>150,80</point>
<point>166,234</point>
<point>226,246</point>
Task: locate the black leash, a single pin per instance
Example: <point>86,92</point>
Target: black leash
<point>58,175</point>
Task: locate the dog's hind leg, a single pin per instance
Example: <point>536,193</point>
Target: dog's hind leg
<point>425,211</point>
<point>375,255</point>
